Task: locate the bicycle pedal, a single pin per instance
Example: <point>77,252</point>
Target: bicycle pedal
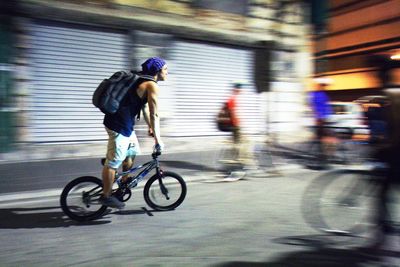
<point>122,194</point>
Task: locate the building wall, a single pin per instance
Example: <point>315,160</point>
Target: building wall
<point>360,38</point>
<point>281,22</point>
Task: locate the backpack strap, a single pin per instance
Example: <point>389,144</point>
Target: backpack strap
<point>146,78</point>
<point>143,76</point>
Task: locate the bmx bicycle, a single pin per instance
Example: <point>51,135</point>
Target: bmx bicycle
<point>338,148</point>
<point>164,190</point>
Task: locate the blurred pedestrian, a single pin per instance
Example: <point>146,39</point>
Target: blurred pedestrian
<point>228,120</point>
<point>319,101</point>
<point>388,153</point>
<point>232,105</point>
<point>120,126</point>
<point>375,115</point>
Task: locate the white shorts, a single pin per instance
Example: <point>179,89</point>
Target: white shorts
<point>119,147</point>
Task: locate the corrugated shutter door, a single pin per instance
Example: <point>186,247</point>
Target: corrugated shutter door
<point>67,65</point>
<point>203,75</point>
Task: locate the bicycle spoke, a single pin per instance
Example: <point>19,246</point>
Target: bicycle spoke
<point>80,199</point>
<point>340,202</point>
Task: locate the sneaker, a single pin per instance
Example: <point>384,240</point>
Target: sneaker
<point>235,176</point>
<point>111,202</point>
<point>122,184</point>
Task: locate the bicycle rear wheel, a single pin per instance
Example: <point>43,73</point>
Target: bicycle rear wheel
<point>313,157</point>
<point>166,192</point>
<point>80,199</point>
<point>228,159</point>
<point>347,152</point>
<point>340,202</point>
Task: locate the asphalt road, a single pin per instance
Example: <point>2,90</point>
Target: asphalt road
<point>257,221</point>
<point>52,174</point>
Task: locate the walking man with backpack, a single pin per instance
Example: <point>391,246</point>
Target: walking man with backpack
<point>142,96</point>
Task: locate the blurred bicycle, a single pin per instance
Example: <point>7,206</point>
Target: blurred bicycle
<point>255,155</point>
<point>343,202</point>
<point>338,148</point>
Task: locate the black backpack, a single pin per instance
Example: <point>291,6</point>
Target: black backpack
<point>224,119</point>
<point>110,92</point>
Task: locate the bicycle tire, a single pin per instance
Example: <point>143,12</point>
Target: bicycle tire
<point>75,206</point>
<point>348,153</point>
<point>264,157</point>
<point>227,159</point>
<point>339,202</point>
<point>313,158</point>
<point>343,154</point>
<point>153,191</point>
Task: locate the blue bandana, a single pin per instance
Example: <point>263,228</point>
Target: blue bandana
<point>153,65</point>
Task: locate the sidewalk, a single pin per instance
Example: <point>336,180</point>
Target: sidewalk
<point>44,152</point>
<point>97,149</point>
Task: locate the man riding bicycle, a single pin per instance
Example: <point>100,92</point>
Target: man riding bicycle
<point>120,126</point>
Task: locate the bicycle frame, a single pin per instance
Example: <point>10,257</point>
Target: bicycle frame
<point>146,168</point>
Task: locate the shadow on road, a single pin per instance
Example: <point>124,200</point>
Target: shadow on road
<point>44,217</point>
<point>187,165</point>
<point>322,251</point>
<point>142,211</point>
<point>324,257</point>
<point>321,240</point>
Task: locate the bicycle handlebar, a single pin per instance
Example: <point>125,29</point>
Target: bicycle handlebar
<point>156,151</point>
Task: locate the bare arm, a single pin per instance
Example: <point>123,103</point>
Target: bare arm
<point>152,116</point>
<point>146,114</point>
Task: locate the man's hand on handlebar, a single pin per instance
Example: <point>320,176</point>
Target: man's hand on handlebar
<point>159,147</point>
<point>150,132</point>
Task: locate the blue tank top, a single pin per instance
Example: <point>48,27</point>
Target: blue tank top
<point>123,121</point>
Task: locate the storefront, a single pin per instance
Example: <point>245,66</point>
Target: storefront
<point>202,78</point>
<point>68,61</point>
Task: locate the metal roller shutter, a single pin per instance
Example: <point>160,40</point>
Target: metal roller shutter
<point>203,75</point>
<point>67,65</point>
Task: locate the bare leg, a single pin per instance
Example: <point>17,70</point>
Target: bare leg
<point>126,165</point>
<point>108,176</point>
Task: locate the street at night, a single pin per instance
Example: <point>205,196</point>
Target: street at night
<point>256,221</point>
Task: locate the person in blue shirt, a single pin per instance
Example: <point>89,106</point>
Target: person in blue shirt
<point>120,126</point>
<point>319,101</point>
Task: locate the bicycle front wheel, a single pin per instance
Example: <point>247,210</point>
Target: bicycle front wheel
<point>340,202</point>
<point>165,192</point>
<point>263,157</point>
<point>80,199</point>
